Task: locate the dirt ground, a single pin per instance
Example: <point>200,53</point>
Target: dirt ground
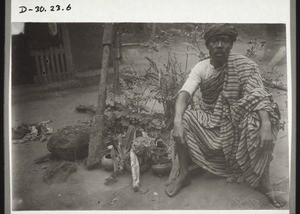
<point>85,189</point>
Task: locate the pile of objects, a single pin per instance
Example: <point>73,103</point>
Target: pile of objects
<point>30,132</point>
<point>136,154</point>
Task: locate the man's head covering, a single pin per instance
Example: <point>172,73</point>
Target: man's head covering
<point>220,29</point>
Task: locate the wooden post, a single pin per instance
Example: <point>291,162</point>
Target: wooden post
<point>96,144</point>
<point>116,59</point>
<point>67,48</point>
<point>119,46</point>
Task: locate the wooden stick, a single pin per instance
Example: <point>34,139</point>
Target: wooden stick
<point>96,144</point>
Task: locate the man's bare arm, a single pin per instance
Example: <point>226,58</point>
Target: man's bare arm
<point>180,107</point>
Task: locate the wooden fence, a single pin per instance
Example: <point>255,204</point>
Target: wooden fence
<point>51,65</point>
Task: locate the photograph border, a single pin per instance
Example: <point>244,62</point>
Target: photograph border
<point>291,110</point>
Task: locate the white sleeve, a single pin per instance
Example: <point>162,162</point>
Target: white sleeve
<point>192,82</point>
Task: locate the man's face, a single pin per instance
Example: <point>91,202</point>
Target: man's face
<point>219,47</point>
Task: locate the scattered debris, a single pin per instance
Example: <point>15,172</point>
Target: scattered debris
<point>144,190</point>
<point>54,169</point>
<point>245,203</point>
<point>280,181</point>
<point>20,131</point>
<point>274,193</point>
<point>111,179</point>
<point>113,201</point>
<point>155,196</point>
<point>25,132</point>
<point>59,171</point>
<point>155,200</point>
<point>32,135</point>
<point>277,141</point>
<point>275,84</point>
<point>44,159</point>
<point>83,109</point>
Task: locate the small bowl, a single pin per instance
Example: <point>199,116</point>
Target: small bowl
<point>162,168</point>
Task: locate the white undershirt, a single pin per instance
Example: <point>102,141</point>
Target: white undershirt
<point>201,71</point>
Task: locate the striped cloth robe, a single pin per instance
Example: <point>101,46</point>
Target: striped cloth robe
<point>223,136</point>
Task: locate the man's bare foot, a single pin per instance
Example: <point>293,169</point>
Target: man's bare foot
<point>275,199</point>
<point>181,181</point>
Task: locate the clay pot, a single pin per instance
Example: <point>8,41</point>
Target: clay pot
<point>107,162</point>
<point>161,168</point>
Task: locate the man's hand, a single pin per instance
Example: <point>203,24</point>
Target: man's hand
<point>266,136</point>
<point>178,132</point>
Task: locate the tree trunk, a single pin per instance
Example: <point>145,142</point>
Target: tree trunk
<point>96,144</point>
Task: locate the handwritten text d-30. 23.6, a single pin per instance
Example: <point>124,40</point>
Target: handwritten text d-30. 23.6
<point>39,9</point>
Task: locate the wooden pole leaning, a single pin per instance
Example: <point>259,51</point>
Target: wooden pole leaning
<point>96,144</point>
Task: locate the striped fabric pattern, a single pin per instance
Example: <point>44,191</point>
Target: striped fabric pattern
<point>223,137</point>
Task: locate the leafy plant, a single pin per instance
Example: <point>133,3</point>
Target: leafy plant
<point>126,110</point>
<point>166,82</point>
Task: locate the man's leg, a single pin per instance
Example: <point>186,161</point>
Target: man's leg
<point>265,186</point>
<point>183,179</point>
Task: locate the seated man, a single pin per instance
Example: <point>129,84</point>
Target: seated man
<point>233,134</point>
